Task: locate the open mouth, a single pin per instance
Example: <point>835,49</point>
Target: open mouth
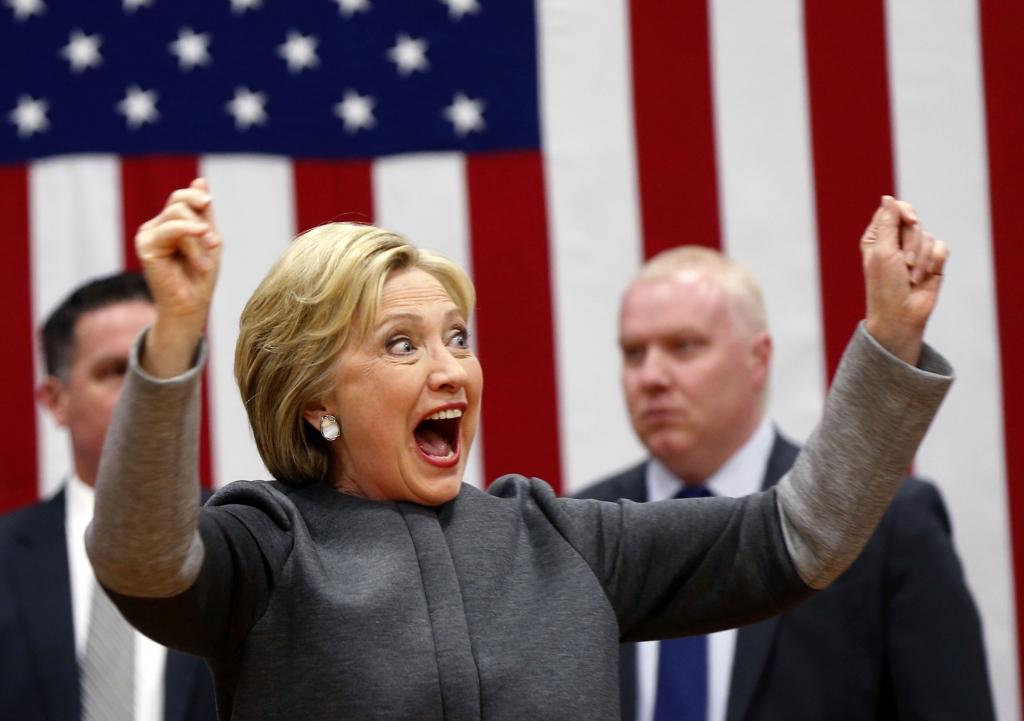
<point>437,436</point>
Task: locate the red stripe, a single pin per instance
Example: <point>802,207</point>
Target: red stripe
<point>1002,28</point>
<point>20,484</point>
<point>850,127</point>
<point>146,183</point>
<point>332,190</point>
<point>508,224</point>
<point>675,136</point>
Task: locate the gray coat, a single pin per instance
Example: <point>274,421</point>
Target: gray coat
<point>509,605</point>
<point>308,603</point>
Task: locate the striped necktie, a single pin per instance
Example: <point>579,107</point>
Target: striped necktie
<point>108,670</point>
<point>683,665</point>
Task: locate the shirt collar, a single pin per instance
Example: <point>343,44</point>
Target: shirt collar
<point>79,498</point>
<point>741,475</point>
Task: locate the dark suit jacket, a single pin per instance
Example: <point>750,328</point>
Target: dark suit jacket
<point>895,637</point>
<point>38,668</point>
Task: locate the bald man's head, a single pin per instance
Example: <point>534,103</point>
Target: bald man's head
<point>696,356</point>
<point>744,291</point>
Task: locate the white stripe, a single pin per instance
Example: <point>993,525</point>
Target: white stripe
<point>424,198</point>
<point>254,199</point>
<point>77,234</point>
<point>594,223</point>
<point>767,193</point>
<point>938,102</point>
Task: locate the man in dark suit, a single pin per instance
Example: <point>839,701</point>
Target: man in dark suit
<point>63,655</point>
<point>895,637</point>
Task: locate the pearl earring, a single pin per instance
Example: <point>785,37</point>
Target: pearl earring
<point>329,427</point>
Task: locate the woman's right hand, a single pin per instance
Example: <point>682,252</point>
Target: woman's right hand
<point>180,253</point>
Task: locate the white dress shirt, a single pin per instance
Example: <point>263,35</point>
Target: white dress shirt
<point>150,657</point>
<point>740,476</point>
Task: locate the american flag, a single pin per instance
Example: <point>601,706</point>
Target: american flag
<point>547,147</point>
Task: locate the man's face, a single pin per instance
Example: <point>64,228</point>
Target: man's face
<point>85,402</point>
<point>693,370</point>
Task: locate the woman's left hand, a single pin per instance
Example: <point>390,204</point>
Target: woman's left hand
<point>903,271</point>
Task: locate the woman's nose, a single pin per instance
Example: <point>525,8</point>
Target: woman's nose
<point>447,372</point>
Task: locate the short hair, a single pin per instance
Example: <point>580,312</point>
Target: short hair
<point>739,282</point>
<point>58,332</point>
<point>324,288</point>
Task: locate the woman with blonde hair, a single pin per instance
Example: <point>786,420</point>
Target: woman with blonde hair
<point>366,581</point>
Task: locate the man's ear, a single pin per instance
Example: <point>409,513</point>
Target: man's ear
<point>761,358</point>
<point>52,394</point>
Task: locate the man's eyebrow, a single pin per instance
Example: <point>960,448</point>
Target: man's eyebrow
<point>113,359</point>
<point>109,357</point>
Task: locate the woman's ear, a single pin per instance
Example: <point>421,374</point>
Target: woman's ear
<point>313,413</point>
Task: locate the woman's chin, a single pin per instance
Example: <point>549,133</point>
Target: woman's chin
<point>438,490</point>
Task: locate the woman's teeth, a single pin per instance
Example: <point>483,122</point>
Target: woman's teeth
<point>443,415</point>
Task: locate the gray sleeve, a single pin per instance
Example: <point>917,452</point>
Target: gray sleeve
<point>876,414</point>
<point>676,567</point>
<point>143,540</point>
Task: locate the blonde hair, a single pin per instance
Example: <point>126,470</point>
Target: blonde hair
<point>739,282</point>
<point>322,290</point>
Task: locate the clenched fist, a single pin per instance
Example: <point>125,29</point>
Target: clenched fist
<point>903,271</point>
<point>180,253</point>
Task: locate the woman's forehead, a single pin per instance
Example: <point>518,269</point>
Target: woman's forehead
<point>413,291</point>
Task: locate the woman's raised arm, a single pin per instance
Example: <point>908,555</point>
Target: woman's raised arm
<point>850,468</point>
<point>143,540</point>
<point>695,566</point>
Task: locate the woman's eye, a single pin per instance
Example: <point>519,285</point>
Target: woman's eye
<point>460,340</point>
<point>400,346</point>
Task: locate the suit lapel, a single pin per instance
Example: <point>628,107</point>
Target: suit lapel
<point>42,587</point>
<point>634,484</point>
<point>754,643</point>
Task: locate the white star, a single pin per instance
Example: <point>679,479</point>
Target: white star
<point>247,107</point>
<point>348,8</point>
<point>357,111</point>
<point>24,9</point>
<point>130,6</point>
<point>457,9</point>
<point>30,116</point>
<point>466,115</point>
<point>138,107</point>
<point>192,49</point>
<point>299,51</point>
<point>82,51</point>
<point>409,55</point>
<point>238,7</point>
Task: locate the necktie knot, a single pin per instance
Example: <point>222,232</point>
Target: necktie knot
<point>694,492</point>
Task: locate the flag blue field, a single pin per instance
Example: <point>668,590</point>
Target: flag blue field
<point>307,78</point>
